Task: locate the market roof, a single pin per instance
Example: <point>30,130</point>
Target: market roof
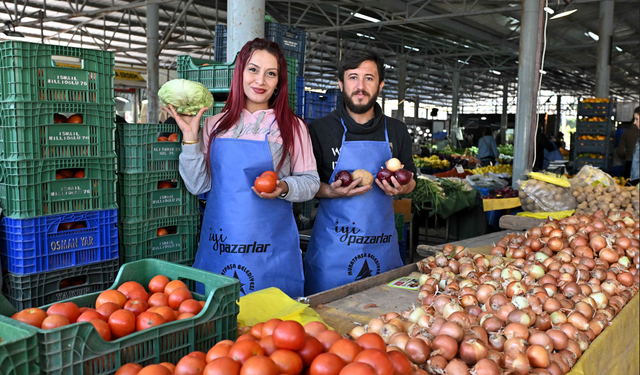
<point>480,39</point>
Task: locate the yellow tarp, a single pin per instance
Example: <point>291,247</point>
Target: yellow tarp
<point>500,204</point>
<point>545,215</point>
<point>272,303</point>
<point>617,350</point>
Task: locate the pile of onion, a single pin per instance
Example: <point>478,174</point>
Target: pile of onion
<point>534,311</point>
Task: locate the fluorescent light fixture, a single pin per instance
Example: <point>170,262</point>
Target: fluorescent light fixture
<point>564,14</point>
<point>364,17</point>
<point>483,118</point>
<point>428,130</point>
<point>387,66</point>
<point>495,72</point>
<point>412,48</point>
<point>619,49</point>
<point>464,62</point>
<point>592,35</point>
<point>122,99</point>
<point>543,71</point>
<point>365,36</point>
<point>410,131</point>
<point>549,10</point>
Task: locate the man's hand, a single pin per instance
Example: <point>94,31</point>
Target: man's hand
<point>336,190</point>
<point>395,188</point>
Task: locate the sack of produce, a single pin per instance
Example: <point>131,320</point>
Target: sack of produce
<point>591,176</point>
<point>545,192</point>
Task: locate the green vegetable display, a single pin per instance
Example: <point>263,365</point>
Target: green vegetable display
<point>187,97</point>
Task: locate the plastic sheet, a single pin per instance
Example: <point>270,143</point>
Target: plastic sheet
<point>272,303</point>
<point>540,196</point>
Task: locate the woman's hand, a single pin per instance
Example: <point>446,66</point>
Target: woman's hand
<point>189,125</point>
<point>281,187</point>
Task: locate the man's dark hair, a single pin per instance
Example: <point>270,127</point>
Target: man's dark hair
<point>487,131</point>
<point>353,59</point>
<point>637,110</point>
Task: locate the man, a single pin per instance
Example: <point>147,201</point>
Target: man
<point>626,146</point>
<point>354,232</point>
<point>635,167</point>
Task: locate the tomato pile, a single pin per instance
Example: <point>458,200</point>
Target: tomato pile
<point>266,182</point>
<point>62,119</point>
<point>286,347</point>
<point>69,173</point>
<point>118,313</point>
<point>167,230</point>
<point>171,138</point>
<point>63,227</point>
<point>167,184</point>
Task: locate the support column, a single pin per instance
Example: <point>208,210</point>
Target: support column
<point>402,87</point>
<point>245,22</point>
<point>603,70</point>
<point>455,100</point>
<point>528,75</point>
<point>504,120</point>
<point>384,102</point>
<point>153,106</point>
<point>558,115</point>
<point>416,110</point>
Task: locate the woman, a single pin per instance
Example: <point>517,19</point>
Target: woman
<point>635,167</point>
<point>487,148</point>
<point>247,234</point>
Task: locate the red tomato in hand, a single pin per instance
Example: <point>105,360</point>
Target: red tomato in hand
<point>265,184</point>
<point>271,174</point>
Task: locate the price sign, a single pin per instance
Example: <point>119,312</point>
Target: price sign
<point>459,168</point>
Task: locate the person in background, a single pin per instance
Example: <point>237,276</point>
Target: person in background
<point>544,148</point>
<point>634,173</point>
<point>247,234</point>
<point>487,149</point>
<point>628,141</point>
<point>354,233</point>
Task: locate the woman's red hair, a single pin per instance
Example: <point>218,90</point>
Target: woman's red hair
<point>288,122</point>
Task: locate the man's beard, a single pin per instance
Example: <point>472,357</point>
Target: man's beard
<point>359,108</point>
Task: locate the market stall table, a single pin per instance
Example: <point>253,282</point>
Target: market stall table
<point>615,351</point>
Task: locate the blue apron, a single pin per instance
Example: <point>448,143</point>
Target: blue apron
<point>243,236</point>
<point>353,237</point>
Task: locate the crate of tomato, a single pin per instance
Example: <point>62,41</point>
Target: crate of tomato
<point>144,148</point>
<point>117,326</point>
<point>34,130</point>
<point>154,195</point>
<point>47,243</point>
<point>30,188</point>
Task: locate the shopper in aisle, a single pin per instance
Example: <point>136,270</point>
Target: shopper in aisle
<point>635,162</point>
<point>246,234</point>
<point>628,142</point>
<point>487,149</point>
<point>354,233</point>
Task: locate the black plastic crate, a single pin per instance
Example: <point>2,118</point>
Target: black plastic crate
<point>597,109</point>
<point>35,290</point>
<point>292,41</point>
<point>594,127</point>
<point>220,46</point>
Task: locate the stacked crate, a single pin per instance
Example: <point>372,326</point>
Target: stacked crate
<point>58,236</point>
<point>594,143</point>
<point>158,217</point>
<point>293,43</point>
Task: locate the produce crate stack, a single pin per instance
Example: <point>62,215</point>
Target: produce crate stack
<point>158,216</point>
<point>58,236</point>
<point>594,134</point>
<point>318,105</point>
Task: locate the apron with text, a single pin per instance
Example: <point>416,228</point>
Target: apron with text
<point>353,237</point>
<point>243,236</point>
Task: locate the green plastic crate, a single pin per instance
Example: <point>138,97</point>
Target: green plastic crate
<point>140,240</point>
<point>217,108</point>
<point>217,76</point>
<point>54,73</point>
<point>78,348</point>
<point>139,198</point>
<point>28,131</point>
<point>18,350</point>
<point>37,289</point>
<point>139,150</point>
<point>29,188</point>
